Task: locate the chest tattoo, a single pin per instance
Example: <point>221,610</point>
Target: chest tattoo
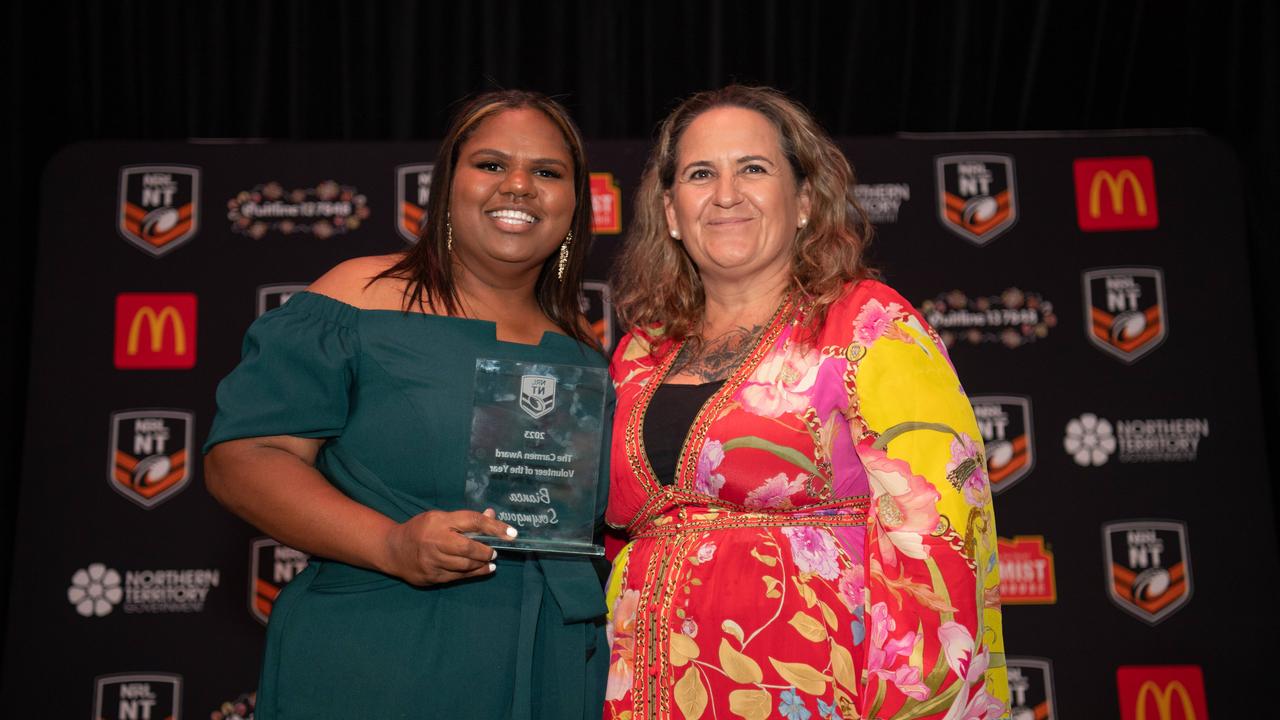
<point>717,358</point>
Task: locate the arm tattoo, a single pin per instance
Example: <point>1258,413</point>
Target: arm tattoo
<point>715,359</point>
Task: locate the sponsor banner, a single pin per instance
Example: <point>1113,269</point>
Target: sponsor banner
<point>1013,318</point>
<point>1091,440</point>
<point>1124,309</point>
<point>97,590</point>
<point>882,201</point>
<point>138,696</point>
<point>274,295</point>
<point>597,306</point>
<point>1148,567</point>
<point>1027,576</point>
<point>1005,423</point>
<point>326,210</point>
<point>977,196</point>
<point>159,206</point>
<point>1161,692</point>
<point>271,567</point>
<point>413,190</point>
<point>148,452</point>
<point>155,331</point>
<point>606,204</point>
<point>1031,689</point>
<point>1115,193</point>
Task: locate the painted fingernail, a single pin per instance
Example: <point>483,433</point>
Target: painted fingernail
<point>492,567</point>
<point>511,532</point>
<point>495,555</point>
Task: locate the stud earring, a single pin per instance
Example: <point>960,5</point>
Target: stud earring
<point>564,256</point>
<point>675,233</point>
<point>804,221</point>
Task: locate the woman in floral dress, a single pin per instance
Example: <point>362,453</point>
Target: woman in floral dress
<point>794,459</point>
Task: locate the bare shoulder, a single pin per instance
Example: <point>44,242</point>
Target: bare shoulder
<point>352,282</point>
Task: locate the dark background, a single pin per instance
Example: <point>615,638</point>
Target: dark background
<point>389,70</point>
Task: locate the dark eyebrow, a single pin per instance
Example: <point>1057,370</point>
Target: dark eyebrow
<point>505,157</point>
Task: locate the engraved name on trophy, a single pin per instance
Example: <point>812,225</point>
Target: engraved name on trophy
<point>536,430</point>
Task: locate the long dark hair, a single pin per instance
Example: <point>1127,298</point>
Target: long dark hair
<point>427,266</point>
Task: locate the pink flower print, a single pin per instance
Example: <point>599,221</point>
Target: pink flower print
<point>904,505</point>
<point>782,383</point>
<point>708,460</point>
<point>814,551</point>
<point>962,656</point>
<point>776,492</point>
<point>852,586</point>
<point>980,707</point>
<point>907,679</point>
<point>875,321</point>
<point>689,627</point>
<point>706,551</point>
<point>969,663</point>
<point>885,649</point>
<point>967,471</point>
<point>621,635</point>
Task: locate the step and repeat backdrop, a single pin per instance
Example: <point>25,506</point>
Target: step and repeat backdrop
<point>1091,289</point>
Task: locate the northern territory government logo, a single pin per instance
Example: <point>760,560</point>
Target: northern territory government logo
<point>1027,576</point>
<point>271,567</point>
<point>148,453</point>
<point>323,211</point>
<point>1115,193</point>
<point>138,696</point>
<point>977,196</point>
<point>1005,423</point>
<point>1161,692</point>
<point>413,190</point>
<point>1031,689</point>
<point>274,295</point>
<point>606,204</point>
<point>1092,440</point>
<point>1148,567</point>
<point>159,206</point>
<point>1124,310</point>
<point>882,201</point>
<point>97,589</point>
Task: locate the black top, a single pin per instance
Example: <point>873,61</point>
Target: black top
<point>671,413</point>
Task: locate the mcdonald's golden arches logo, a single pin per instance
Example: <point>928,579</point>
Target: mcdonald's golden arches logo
<point>1115,193</point>
<point>155,331</point>
<point>1161,692</point>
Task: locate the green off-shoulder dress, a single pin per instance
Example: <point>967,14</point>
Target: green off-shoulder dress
<point>390,393</point>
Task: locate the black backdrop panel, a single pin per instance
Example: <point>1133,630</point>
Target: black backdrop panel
<point>127,580</point>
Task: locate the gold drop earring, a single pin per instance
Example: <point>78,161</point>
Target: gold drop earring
<point>448,232</point>
<point>564,256</point>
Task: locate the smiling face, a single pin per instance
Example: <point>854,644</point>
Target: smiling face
<point>512,198</point>
<point>735,203</point>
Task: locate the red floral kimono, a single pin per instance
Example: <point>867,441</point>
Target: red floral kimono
<point>828,547</point>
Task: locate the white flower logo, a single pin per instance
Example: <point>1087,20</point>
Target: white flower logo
<point>1090,440</point>
<point>95,590</point>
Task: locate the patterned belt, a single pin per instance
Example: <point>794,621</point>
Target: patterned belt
<point>850,512</point>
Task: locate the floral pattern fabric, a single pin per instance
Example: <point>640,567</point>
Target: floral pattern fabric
<point>828,547</point>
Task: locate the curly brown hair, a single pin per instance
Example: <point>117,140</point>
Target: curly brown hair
<point>426,266</point>
<point>655,283</point>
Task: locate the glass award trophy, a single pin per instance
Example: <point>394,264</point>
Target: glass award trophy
<point>536,430</point>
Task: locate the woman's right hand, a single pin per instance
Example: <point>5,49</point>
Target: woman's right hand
<point>431,548</point>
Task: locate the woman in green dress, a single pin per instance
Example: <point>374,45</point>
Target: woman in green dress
<point>343,433</point>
